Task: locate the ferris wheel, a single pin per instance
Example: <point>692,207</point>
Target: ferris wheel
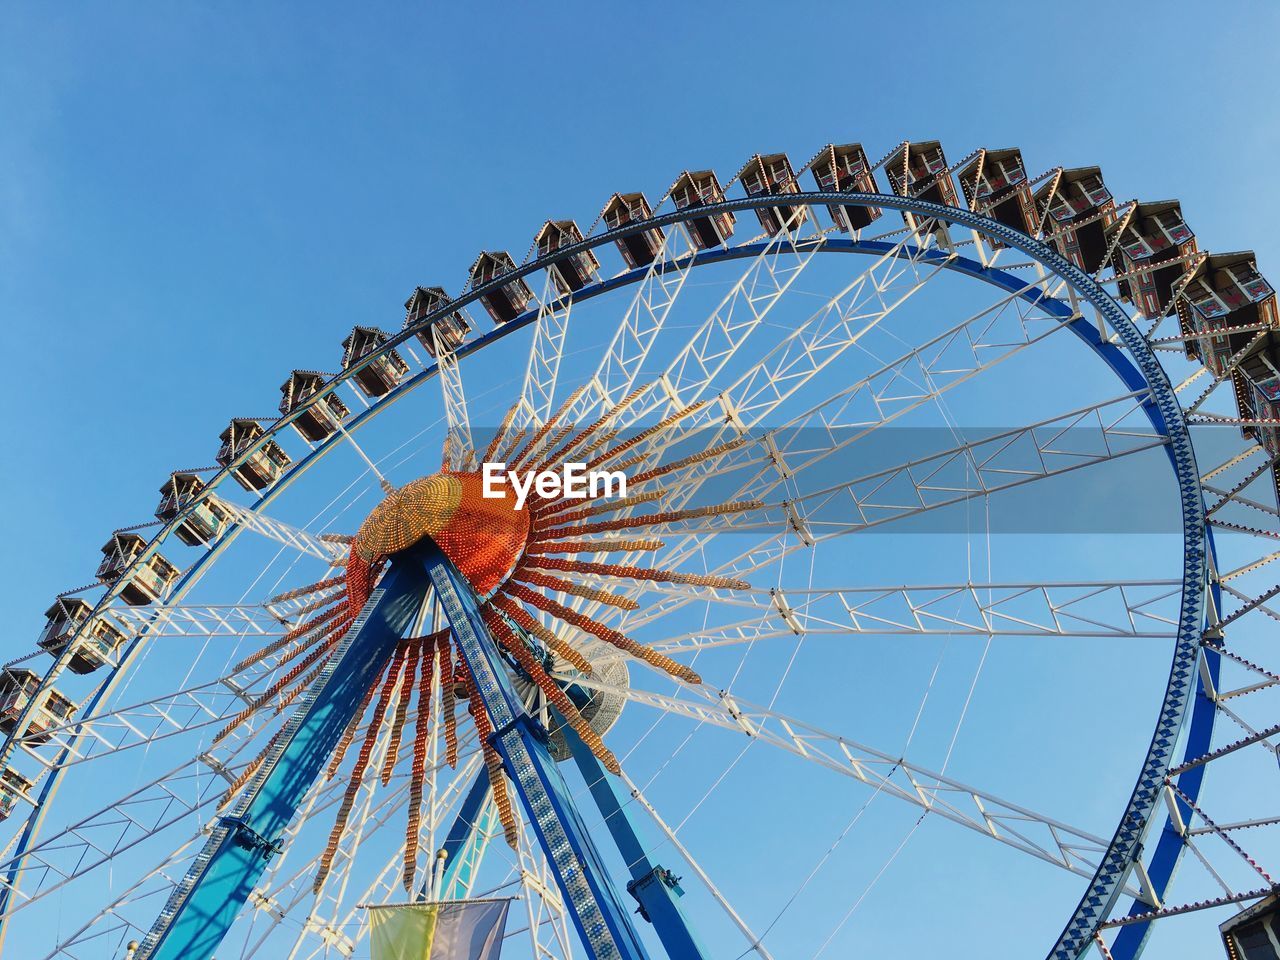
<point>937,571</point>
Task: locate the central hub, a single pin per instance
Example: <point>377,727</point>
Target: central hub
<point>484,536</point>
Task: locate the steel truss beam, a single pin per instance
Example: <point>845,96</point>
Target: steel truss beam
<point>1016,826</point>
<point>537,394</point>
<point>890,280</point>
<point>162,715</point>
<point>964,472</point>
<point>459,447</point>
<point>976,469</point>
<point>283,533</point>
<point>1129,610</point>
<point>743,309</point>
<point>787,460</point>
<point>975,344</point>
<point>126,822</point>
<point>97,838</point>
<point>209,620</point>
<point>642,321</point>
<point>772,270</point>
<point>165,715</point>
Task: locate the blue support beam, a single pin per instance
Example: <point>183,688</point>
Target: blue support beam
<point>466,840</point>
<point>205,904</point>
<point>602,921</point>
<point>655,888</point>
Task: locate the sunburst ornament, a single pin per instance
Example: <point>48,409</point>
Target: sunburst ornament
<point>515,559</point>
<point>484,537</point>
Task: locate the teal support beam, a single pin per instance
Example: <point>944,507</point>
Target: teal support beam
<point>465,844</point>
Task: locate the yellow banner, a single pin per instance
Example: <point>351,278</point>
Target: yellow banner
<point>450,930</point>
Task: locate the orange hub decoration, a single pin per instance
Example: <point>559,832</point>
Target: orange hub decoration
<point>483,537</point>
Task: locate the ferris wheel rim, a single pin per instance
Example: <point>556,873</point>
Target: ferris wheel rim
<point>1170,421</point>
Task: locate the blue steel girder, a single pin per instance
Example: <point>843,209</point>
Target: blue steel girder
<point>206,903</point>
<point>655,888</point>
<point>602,922</point>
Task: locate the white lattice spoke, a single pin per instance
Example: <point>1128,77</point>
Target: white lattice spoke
<point>1121,610</point>
<point>864,304</point>
<point>283,533</point>
<point>968,348</point>
<point>818,341</point>
<point>185,620</point>
<point>719,337</point>
<point>197,704</point>
<point>190,787</point>
<point>150,891</point>
<point>537,394</point>
<point>741,311</point>
<point>117,923</point>
<point>1016,826</point>
<point>159,717</point>
<point>1086,437</point>
<point>641,323</point>
<point>459,447</point>
<point>138,725</point>
<point>96,840</point>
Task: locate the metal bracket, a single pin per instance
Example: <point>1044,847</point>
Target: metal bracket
<point>659,874</point>
<point>245,836</point>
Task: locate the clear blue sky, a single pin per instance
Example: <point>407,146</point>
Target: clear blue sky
<point>197,198</point>
<point>192,200</point>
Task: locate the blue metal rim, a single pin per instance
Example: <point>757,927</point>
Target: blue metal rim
<point>1141,369</point>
